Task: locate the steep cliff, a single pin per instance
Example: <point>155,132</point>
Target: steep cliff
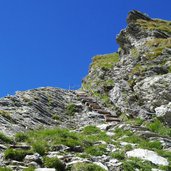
<point>119,120</point>
<point>136,79</point>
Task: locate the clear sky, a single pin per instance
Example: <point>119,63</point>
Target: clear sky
<point>51,42</point>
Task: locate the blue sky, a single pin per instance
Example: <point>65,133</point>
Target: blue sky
<point>51,42</point>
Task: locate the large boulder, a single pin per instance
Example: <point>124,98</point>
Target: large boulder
<point>148,155</point>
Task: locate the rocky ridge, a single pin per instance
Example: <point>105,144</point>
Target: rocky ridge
<point>120,120</point>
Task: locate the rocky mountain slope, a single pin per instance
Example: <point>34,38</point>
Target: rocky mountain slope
<point>136,79</point>
<point>119,120</point>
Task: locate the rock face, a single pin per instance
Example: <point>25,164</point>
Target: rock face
<point>155,90</point>
<point>33,109</point>
<point>139,80</point>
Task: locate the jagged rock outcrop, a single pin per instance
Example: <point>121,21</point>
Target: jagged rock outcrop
<point>33,109</point>
<point>140,78</point>
<point>48,107</point>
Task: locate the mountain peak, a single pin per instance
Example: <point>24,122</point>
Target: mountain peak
<point>135,15</point>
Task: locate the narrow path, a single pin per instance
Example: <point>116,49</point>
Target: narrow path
<point>93,105</point>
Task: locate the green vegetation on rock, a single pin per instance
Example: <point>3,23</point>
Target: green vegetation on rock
<point>134,52</point>
<point>156,24</point>
<point>21,137</point>
<point>158,127</point>
<point>16,154</point>
<point>71,109</point>
<point>135,163</point>
<point>29,169</point>
<point>86,167</point>
<point>88,130</point>
<point>105,61</point>
<point>96,150</point>
<point>156,47</point>
<point>120,155</point>
<point>40,147</point>
<point>5,114</point>
<point>4,138</point>
<point>54,163</point>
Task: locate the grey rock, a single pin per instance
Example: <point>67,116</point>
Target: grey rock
<point>164,112</point>
<point>33,158</point>
<point>113,164</point>
<point>3,147</point>
<point>45,169</point>
<point>148,155</point>
<point>155,91</point>
<point>101,165</point>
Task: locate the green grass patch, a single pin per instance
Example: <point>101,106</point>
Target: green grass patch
<point>120,155</point>
<point>16,154</point>
<point>135,163</point>
<point>135,121</point>
<point>55,117</point>
<point>158,127</point>
<point>156,47</point>
<point>71,109</point>
<point>156,24</point>
<point>119,132</point>
<point>86,167</point>
<point>43,140</point>
<point>105,61</point>
<point>135,139</point>
<point>29,169</point>
<point>97,150</point>
<point>5,114</point>
<point>52,137</point>
<point>143,143</point>
<point>165,154</point>
<point>40,147</point>
<point>5,139</point>
<point>91,130</point>
<point>101,136</point>
<point>134,52</point>
<point>54,163</point>
<point>21,137</point>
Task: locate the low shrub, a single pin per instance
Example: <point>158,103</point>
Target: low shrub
<point>71,109</point>
<point>151,145</point>
<point>88,130</point>
<point>120,132</point>
<point>5,114</point>
<point>86,167</point>
<point>134,163</point>
<point>54,163</point>
<point>120,155</point>
<point>55,117</point>
<point>4,138</point>
<point>21,137</point>
<point>40,148</point>
<point>16,154</point>
<point>105,61</point>
<point>158,127</point>
<point>96,150</point>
